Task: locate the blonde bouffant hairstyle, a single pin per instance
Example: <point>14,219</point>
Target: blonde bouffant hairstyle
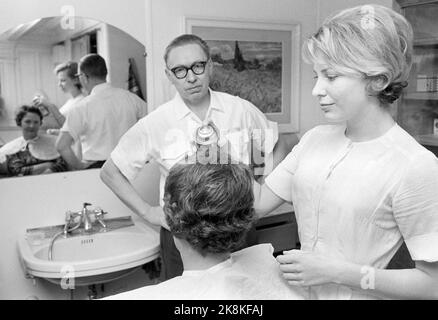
<point>371,40</point>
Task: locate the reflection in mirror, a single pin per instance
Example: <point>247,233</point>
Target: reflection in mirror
<point>30,73</point>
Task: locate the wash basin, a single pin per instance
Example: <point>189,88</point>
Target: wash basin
<point>103,255</point>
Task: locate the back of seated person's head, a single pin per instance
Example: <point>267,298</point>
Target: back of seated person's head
<point>93,65</point>
<point>23,110</point>
<point>210,205</point>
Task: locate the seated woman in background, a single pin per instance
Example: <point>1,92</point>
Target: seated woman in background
<point>209,209</point>
<point>32,153</point>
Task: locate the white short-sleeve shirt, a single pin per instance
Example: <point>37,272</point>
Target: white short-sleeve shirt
<point>167,134</point>
<point>100,119</point>
<point>69,105</point>
<point>358,201</point>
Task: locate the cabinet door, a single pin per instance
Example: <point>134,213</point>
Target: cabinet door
<point>418,108</point>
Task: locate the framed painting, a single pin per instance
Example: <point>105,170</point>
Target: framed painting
<point>257,61</point>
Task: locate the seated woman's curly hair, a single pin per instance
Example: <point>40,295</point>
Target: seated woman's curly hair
<point>210,205</point>
<point>23,110</point>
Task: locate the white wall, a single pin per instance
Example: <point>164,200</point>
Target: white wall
<point>166,22</point>
<point>121,47</point>
<point>126,15</point>
<point>36,201</point>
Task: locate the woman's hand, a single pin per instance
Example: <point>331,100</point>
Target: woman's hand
<point>44,105</point>
<point>40,101</point>
<point>304,268</point>
<point>53,132</point>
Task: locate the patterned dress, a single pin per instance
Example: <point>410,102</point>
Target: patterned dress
<point>22,163</point>
<point>21,157</point>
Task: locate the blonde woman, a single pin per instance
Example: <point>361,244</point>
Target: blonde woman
<point>69,83</point>
<point>361,185</point>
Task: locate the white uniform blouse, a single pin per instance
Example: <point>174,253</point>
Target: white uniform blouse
<point>358,200</point>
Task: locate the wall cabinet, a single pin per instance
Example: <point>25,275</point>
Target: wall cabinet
<point>417,110</point>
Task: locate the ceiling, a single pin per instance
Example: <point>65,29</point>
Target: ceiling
<point>48,31</point>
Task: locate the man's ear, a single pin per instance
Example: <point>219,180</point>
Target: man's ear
<point>169,75</point>
<point>85,80</point>
<point>76,81</point>
<point>180,243</point>
<point>210,66</point>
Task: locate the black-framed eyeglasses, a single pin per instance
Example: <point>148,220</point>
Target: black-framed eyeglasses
<point>197,68</point>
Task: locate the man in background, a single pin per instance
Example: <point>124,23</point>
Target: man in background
<point>100,119</point>
<point>171,133</point>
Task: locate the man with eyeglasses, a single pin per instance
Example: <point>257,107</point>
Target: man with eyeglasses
<point>168,134</point>
<point>100,119</point>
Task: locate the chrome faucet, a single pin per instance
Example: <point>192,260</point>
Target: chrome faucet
<point>85,220</point>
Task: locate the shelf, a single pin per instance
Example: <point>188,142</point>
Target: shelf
<point>428,139</point>
<point>426,42</point>
<point>421,95</point>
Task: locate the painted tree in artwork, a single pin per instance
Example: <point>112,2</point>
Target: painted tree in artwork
<point>239,62</point>
<point>249,69</point>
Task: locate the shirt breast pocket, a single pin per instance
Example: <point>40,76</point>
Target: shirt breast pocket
<point>238,141</point>
<point>172,154</point>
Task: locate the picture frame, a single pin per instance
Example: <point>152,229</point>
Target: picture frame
<point>256,60</point>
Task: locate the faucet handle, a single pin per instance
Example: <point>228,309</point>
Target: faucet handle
<point>68,218</point>
<point>99,213</point>
<point>85,205</point>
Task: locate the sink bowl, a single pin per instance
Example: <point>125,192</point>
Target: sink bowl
<point>90,258</point>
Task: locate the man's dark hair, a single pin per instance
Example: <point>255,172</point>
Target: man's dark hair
<point>184,40</point>
<point>93,65</point>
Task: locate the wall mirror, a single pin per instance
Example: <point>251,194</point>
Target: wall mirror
<point>29,53</point>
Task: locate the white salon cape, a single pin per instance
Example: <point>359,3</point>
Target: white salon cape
<point>249,274</point>
<point>41,147</point>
